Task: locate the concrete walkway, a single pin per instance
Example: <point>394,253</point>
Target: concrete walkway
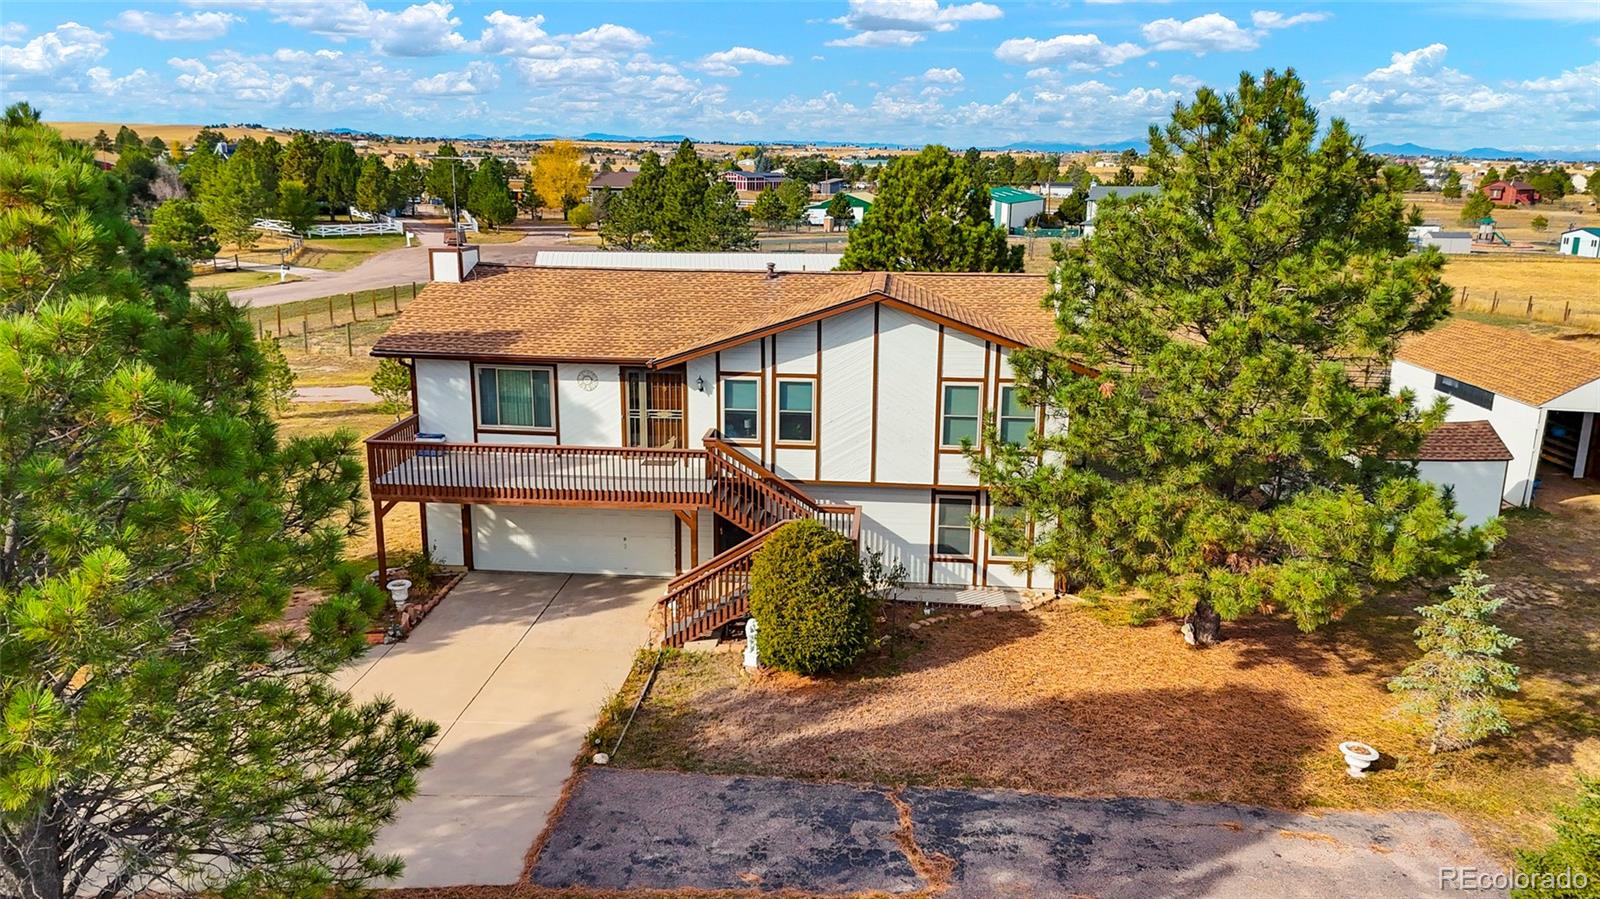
<point>514,668</point>
<point>626,829</point>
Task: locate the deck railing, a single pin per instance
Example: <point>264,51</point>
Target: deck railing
<point>712,595</point>
<point>402,467</point>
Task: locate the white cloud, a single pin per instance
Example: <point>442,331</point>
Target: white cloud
<point>1408,63</point>
<point>479,77</point>
<point>197,26</point>
<point>11,32</point>
<point>1556,10</point>
<point>726,63</point>
<point>901,23</point>
<point>68,49</point>
<point>1583,78</point>
<point>1084,52</point>
<point>1416,93</point>
<point>1212,32</point>
<point>1269,20</point>
<point>423,29</point>
<point>608,38</point>
<point>951,75</point>
<point>516,36</point>
<point>1186,82</point>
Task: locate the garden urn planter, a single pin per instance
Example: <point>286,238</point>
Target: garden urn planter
<point>1357,756</point>
<point>752,660</point>
<point>400,590</point>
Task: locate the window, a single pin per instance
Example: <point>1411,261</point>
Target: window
<point>1003,513</point>
<point>1477,396</point>
<point>952,526</point>
<point>1016,420</point>
<point>796,411</point>
<point>741,398</point>
<point>960,419</point>
<point>515,398</point>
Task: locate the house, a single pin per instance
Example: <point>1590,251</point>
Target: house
<point>1450,243</point>
<point>605,184</point>
<point>754,182</point>
<point>1540,394</point>
<point>1580,242</point>
<point>827,187</point>
<point>1469,459</point>
<point>817,213</point>
<point>663,423</point>
<point>1011,207</point>
<point>1054,190</point>
<point>1511,193</point>
<point>1099,192</point>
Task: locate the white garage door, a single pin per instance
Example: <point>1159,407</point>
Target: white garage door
<point>590,541</point>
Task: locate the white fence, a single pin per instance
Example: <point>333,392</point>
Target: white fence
<point>371,223</point>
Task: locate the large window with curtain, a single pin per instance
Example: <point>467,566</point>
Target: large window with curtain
<point>516,398</point>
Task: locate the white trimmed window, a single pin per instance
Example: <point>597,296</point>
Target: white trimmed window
<point>797,410</point>
<point>741,408</point>
<point>952,526</point>
<point>516,397</point>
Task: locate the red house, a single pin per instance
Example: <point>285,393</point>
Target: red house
<point>1512,193</point>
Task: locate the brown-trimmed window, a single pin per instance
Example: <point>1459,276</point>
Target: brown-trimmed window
<point>952,526</point>
<point>516,397</point>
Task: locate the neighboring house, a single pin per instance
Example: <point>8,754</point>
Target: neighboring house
<point>753,181</point>
<point>662,423</point>
<point>606,184</point>
<point>817,213</point>
<point>828,187</point>
<point>1511,193</point>
<point>1055,190</point>
<point>1099,192</point>
<point>1469,459</point>
<point>1540,394</point>
<point>1580,242</point>
<point>1450,243</point>
<point>1011,207</point>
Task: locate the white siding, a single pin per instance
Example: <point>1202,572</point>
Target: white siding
<point>846,420</point>
<point>591,541</point>
<point>701,406</point>
<point>444,398</point>
<point>797,350</point>
<point>1520,426</point>
<point>744,357</point>
<point>964,355</point>
<point>589,417</point>
<point>444,533</point>
<point>907,386</point>
<point>894,520</point>
<point>1475,486</point>
<point>798,464</point>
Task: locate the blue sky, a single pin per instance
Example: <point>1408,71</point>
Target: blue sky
<point>1512,73</point>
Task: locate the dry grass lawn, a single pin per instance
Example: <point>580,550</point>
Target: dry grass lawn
<point>236,280</point>
<point>1516,224</point>
<point>1072,700</point>
<point>1564,289</point>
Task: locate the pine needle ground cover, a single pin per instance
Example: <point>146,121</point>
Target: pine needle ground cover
<point>1074,700</point>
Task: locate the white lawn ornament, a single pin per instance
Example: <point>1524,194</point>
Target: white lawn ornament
<point>1357,756</point>
<point>400,592</point>
<point>751,660</point>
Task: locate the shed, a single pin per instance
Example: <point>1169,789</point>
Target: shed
<point>1011,207</point>
<point>1450,243</point>
<point>1469,460</point>
<point>817,213</point>
<point>827,187</point>
<point>1580,242</point>
<point>1098,193</point>
<point>1540,394</point>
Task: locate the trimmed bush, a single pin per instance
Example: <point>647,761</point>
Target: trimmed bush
<point>811,603</point>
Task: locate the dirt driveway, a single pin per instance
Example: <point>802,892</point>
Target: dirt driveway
<point>513,667</point>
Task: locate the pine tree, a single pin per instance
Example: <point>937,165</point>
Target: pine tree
<point>840,211</point>
<point>179,225</point>
<point>232,198</point>
<point>1220,454</point>
<point>337,174</point>
<point>768,210</point>
<point>630,214</point>
<point>372,186</point>
<point>1476,207</point>
<point>489,194</point>
<point>1568,868</point>
<point>930,214</point>
<point>159,727</point>
<point>102,141</point>
<point>448,176</point>
<point>1456,685</point>
<point>301,159</point>
<point>409,181</point>
<point>1452,186</point>
<point>296,206</point>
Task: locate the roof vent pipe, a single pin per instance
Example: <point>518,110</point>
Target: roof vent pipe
<point>772,270</point>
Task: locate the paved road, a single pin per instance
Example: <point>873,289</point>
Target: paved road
<point>514,668</point>
<point>626,829</point>
<point>399,266</point>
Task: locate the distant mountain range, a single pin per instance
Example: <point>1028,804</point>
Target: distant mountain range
<point>1410,149</point>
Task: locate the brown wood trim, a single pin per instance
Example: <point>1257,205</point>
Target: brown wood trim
<point>466,536</point>
<point>872,463</point>
<point>510,358</point>
<point>816,409</point>
<point>973,497</point>
<point>938,403</point>
<point>555,404</point>
<point>677,543</point>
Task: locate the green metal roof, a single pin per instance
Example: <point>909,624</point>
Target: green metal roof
<point>854,201</point>
<point>1013,195</point>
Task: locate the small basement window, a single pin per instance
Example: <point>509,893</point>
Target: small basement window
<point>952,526</point>
<point>1461,390</point>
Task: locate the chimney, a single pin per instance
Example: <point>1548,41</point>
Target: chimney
<point>452,264</point>
<point>772,270</point>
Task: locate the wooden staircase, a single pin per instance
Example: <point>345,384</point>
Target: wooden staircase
<point>758,500</point>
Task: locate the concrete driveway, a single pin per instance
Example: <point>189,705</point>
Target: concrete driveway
<point>513,667</point>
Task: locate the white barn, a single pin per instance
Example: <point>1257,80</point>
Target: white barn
<point>1099,192</point>
<point>1541,395</point>
<point>1011,207</point>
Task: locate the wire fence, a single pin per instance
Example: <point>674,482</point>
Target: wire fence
<point>306,322</point>
<point>1528,307</point>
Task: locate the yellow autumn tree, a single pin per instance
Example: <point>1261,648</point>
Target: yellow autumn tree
<point>559,176</point>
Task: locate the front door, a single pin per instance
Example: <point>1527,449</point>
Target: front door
<point>653,408</point>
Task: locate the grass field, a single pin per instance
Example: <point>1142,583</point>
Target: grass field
<point>1515,224</point>
<point>1565,290</point>
<point>236,280</point>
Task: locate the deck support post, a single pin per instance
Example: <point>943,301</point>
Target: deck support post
<point>691,518</point>
<point>379,510</point>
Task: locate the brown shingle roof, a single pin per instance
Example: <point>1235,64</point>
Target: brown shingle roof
<point>1523,366</point>
<point>639,315</point>
<point>1464,441</point>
